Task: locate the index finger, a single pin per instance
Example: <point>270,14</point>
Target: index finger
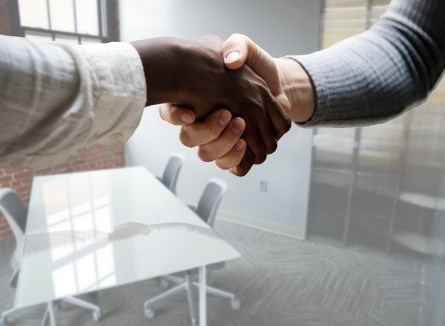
<point>176,114</point>
<point>204,132</point>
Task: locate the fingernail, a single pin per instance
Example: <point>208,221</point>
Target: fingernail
<point>232,56</point>
<point>224,118</point>
<point>186,118</point>
<point>238,127</point>
<point>240,145</point>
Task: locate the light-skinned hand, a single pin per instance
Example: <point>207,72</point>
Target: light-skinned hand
<point>287,81</point>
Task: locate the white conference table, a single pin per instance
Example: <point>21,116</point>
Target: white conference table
<point>95,230</point>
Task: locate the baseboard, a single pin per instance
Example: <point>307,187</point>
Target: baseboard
<point>262,225</point>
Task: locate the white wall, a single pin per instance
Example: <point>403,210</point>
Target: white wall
<point>280,27</point>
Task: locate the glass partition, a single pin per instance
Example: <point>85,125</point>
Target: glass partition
<point>375,187</point>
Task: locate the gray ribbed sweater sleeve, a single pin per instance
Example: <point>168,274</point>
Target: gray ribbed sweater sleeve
<point>380,73</point>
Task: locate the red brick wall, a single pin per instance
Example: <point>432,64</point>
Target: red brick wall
<point>93,158</point>
<point>5,25</point>
<point>5,30</point>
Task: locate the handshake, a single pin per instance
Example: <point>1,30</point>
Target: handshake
<point>231,98</point>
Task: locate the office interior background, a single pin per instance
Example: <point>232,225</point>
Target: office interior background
<point>338,227</point>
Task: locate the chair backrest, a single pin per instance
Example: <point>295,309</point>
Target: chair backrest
<point>171,171</point>
<point>16,214</point>
<point>210,199</point>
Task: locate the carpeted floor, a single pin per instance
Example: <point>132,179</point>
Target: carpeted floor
<point>280,282</point>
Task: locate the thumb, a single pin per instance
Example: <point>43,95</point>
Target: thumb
<point>239,49</point>
<point>235,51</point>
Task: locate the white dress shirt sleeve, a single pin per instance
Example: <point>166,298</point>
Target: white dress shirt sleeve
<point>57,98</point>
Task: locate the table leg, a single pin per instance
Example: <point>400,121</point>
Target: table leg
<point>52,316</point>
<point>202,296</point>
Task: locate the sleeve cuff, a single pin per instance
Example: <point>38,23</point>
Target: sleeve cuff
<point>120,94</point>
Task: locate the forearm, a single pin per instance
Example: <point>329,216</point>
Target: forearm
<point>380,73</point>
<point>55,99</point>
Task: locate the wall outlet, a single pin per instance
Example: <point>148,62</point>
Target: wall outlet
<point>263,186</point>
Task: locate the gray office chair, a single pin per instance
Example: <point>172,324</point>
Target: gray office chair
<point>16,213</point>
<point>171,171</point>
<point>206,209</point>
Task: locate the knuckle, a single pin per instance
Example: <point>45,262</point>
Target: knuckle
<point>171,115</point>
<point>288,124</point>
<point>185,138</point>
<point>243,167</point>
<point>212,132</point>
<point>241,172</point>
<point>272,147</point>
<point>162,112</point>
<point>204,154</point>
<point>280,134</point>
<point>284,128</point>
<point>260,158</point>
<point>222,165</point>
<point>238,35</point>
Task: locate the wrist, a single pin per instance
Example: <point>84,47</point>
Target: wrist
<point>298,89</point>
<point>160,59</point>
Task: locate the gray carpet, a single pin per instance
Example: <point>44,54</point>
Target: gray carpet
<point>280,281</point>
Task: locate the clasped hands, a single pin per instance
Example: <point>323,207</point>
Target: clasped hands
<point>234,112</point>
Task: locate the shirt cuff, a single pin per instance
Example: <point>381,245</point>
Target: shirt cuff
<point>120,91</point>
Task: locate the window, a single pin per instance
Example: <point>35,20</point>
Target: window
<point>66,21</point>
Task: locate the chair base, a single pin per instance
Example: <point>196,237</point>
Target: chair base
<point>186,284</point>
<point>6,314</point>
<point>97,314</point>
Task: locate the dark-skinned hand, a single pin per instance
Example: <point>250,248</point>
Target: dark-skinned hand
<point>191,73</point>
